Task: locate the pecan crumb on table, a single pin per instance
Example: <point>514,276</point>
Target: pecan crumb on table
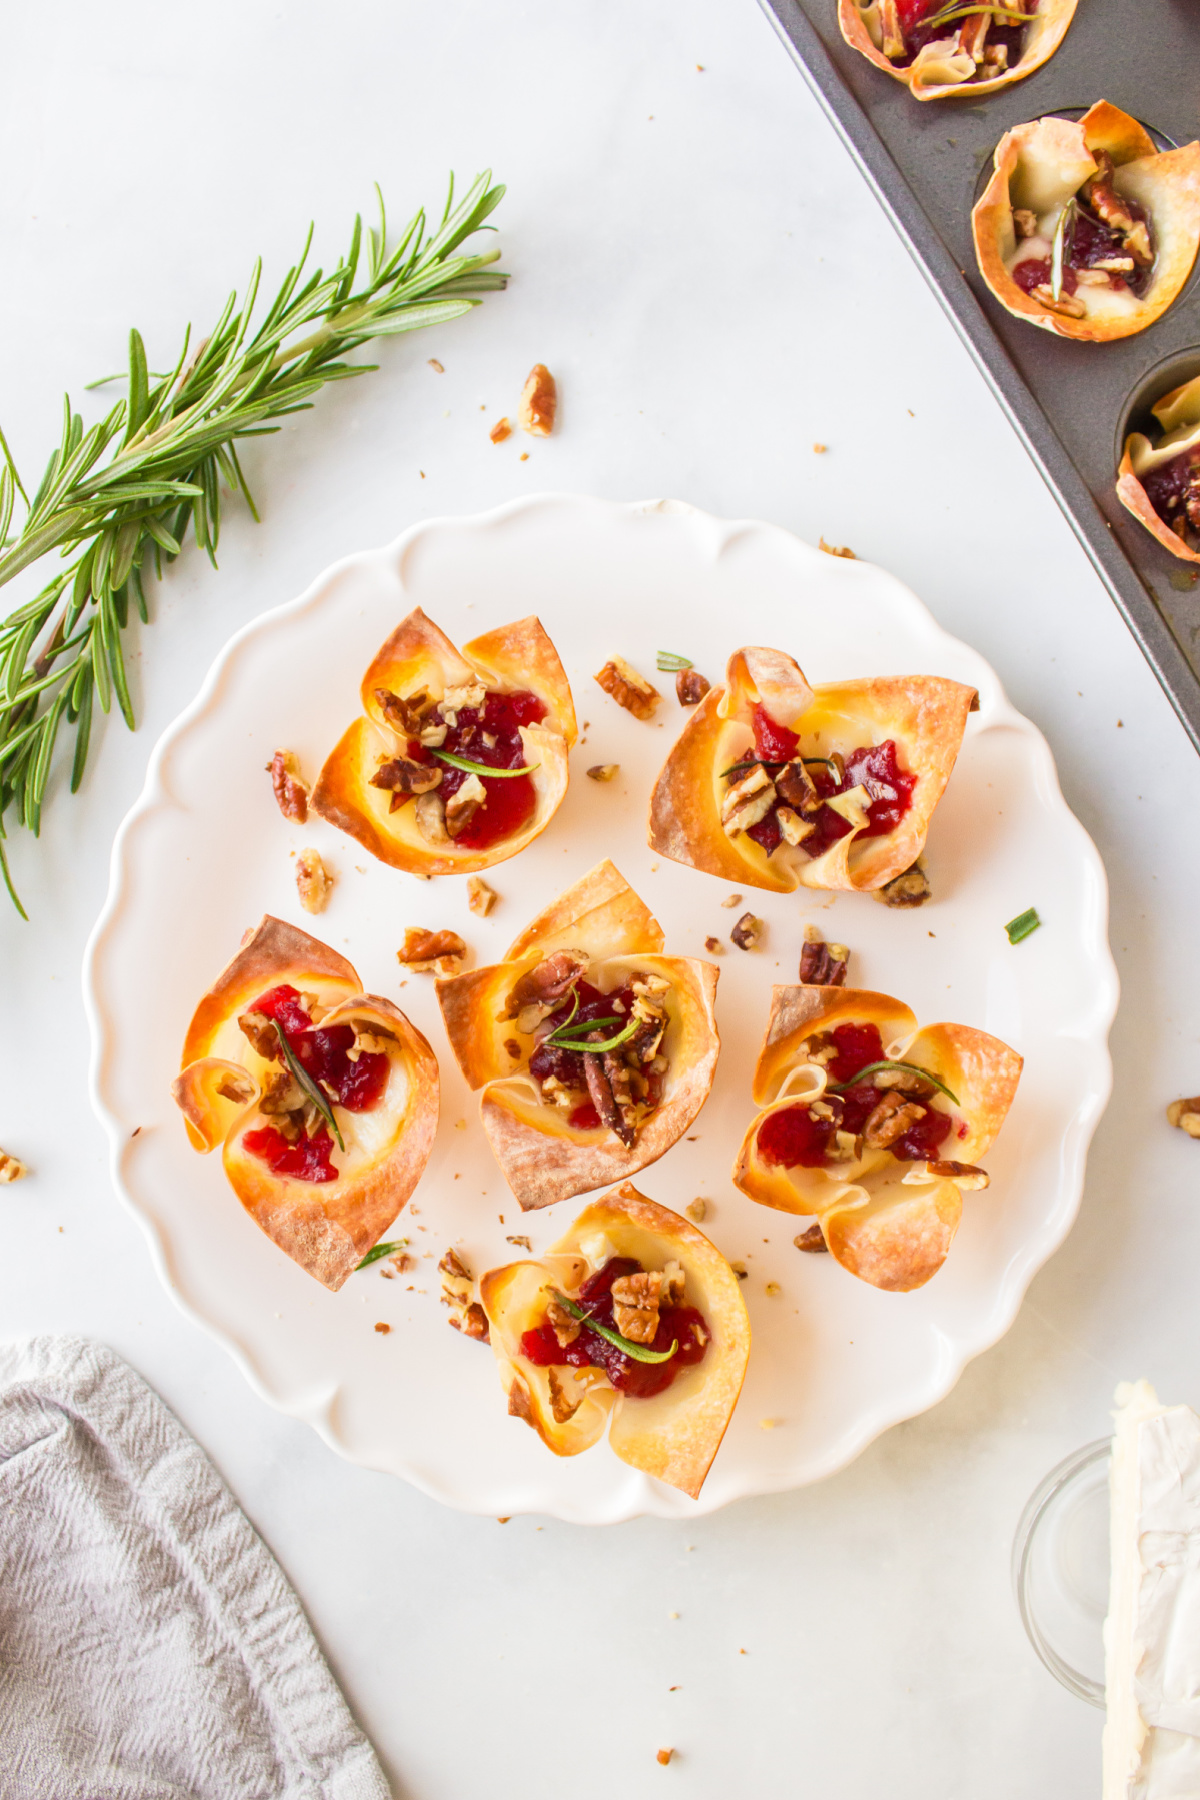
<point>539,402</point>
<point>458,1293</point>
<point>910,888</point>
<point>436,952</point>
<point>747,931</point>
<point>603,771</point>
<point>629,689</point>
<point>290,787</point>
<point>732,900</point>
<point>714,946</point>
<point>480,896</point>
<point>11,1167</point>
<point>812,1240</point>
<point>500,430</point>
<point>313,881</point>
<point>664,1757</point>
<point>382,1329</point>
<point>1183,1113</point>
<point>822,964</point>
<point>696,1209</point>
<point>690,687</point>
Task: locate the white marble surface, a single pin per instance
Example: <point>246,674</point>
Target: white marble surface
<point>698,261</point>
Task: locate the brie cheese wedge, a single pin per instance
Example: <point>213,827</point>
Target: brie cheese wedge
<point>1152,1632</point>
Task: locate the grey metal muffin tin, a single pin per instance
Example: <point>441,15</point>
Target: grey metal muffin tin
<point>1071,403</point>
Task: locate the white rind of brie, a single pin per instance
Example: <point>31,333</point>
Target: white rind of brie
<point>1152,1632</point>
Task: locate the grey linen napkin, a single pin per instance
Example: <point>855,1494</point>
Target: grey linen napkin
<point>150,1648</point>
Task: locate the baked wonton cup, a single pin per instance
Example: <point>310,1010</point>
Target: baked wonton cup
<point>599,934</point>
<point>1040,168</point>
<point>672,1435</point>
<point>325,1225</point>
<point>888,1218</point>
<point>1168,471</point>
<point>954,64</point>
<point>924,716</point>
<point>416,674</point>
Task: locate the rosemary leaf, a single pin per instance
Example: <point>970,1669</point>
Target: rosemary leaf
<point>668,663</point>
<point>1023,926</point>
<point>474,768</point>
<point>913,1069</point>
<point>380,1250</point>
<point>638,1352</point>
<point>310,1088</point>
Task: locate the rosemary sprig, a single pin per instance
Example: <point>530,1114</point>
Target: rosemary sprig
<point>170,444</point>
<point>913,1069</point>
<point>1007,13</point>
<point>566,1036</point>
<point>1060,248</point>
<point>668,663</point>
<point>638,1352</point>
<point>380,1250</point>
<point>612,1043</point>
<point>474,768</point>
<point>312,1090</point>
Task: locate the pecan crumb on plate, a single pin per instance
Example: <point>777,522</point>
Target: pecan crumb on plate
<point>836,549</point>
<point>732,900</point>
<point>690,687</point>
<point>500,430</point>
<point>458,1293</point>
<point>480,897</point>
<point>382,1329</point>
<point>822,964</point>
<point>603,771</point>
<point>313,881</point>
<point>812,1240</point>
<point>1183,1113</point>
<point>629,689</point>
<point>696,1209</point>
<point>664,1757</point>
<point>437,952</point>
<point>909,888</point>
<point>538,403</point>
<point>747,931</point>
<point>290,787</point>
<point>714,946</point>
<point>11,1167</point>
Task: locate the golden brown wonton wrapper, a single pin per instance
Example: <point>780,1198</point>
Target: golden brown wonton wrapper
<point>942,69</point>
<point>925,715</point>
<point>1179,415</point>
<point>543,1157</point>
<point>889,1222</point>
<point>673,1435</point>
<point>418,655</point>
<point>326,1227</point>
<point>1040,165</point>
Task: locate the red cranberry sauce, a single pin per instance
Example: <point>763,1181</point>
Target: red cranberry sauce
<point>792,1138</point>
<point>567,1065</point>
<point>914,22</point>
<point>1034,272</point>
<point>873,766</point>
<point>323,1053</point>
<point>1173,490</point>
<point>511,800</point>
<point>308,1159</point>
<point>627,1375</point>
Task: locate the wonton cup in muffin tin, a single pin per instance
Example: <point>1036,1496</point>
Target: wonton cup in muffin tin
<point>945,68</point>
<point>673,1435</point>
<point>419,660</point>
<point>923,715</point>
<point>325,1226</point>
<point>614,937</point>
<point>1039,168</point>
<point>1179,415</point>
<point>888,1221</point>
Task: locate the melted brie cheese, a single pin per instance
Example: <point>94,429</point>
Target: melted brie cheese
<point>1152,1632</point>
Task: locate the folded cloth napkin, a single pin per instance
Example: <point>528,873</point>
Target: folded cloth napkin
<point>150,1648</point>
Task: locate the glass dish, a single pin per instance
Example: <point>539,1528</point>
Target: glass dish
<point>1060,1569</point>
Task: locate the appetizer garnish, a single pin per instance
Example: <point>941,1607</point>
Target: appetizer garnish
<point>323,1098</point>
<point>1023,926</point>
<point>462,758</point>
<point>873,1126</point>
<point>783,785</point>
<point>621,681</point>
<point>1085,228</point>
<point>633,1315</point>
<point>1160,483</point>
<point>940,48</point>
<point>593,1050</point>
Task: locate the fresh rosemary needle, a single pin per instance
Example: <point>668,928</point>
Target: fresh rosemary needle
<point>120,496</point>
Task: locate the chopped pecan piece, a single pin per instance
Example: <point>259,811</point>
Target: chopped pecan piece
<point>11,1168</point>
<point>261,1032</point>
<point>238,1088</point>
<point>463,804</point>
<point>664,1756</point>
<point>690,687</point>
<point>430,814</point>
<point>910,888</point>
<point>604,1100</point>
<point>522,1243</point>
<point>282,1094</point>
<point>442,952</point>
<point>972,36</point>
<point>1066,304</point>
<point>822,964</point>
<point>696,1209</point>
<point>629,689</point>
<point>480,897</point>
<point>747,931</point>
<point>889,1119</point>
<point>904,1079</point>
<point>748,800</point>
<point>548,982</point>
<point>792,826</point>
<point>458,1291</point>
<point>565,1327</point>
<point>538,403</point>
<point>402,779</point>
<point>812,1240</point>
<point>562,1407</point>
<point>963,1175</point>
<point>1103,198</point>
<point>1025,222</point>
<point>405,714</point>
<point>732,900</point>
<point>313,881</point>
<point>602,771</point>
<point>1186,1115</point>
<point>714,946</point>
<point>472,1322</point>
<point>500,430</point>
<point>995,60</point>
<point>290,787</point>
<point>836,550</point>
<point>636,1300</point>
<point>797,787</point>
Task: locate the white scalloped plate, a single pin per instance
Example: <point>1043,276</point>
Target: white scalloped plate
<point>205,853</point>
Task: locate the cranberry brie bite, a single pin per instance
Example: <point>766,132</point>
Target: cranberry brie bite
<point>873,1126</point>
<point>783,785</point>
<point>1085,229</point>
<point>461,759</point>
<point>594,1051</point>
<point>941,48</point>
<point>324,1099</point>
<point>633,1316</point>
<point>1160,483</point>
